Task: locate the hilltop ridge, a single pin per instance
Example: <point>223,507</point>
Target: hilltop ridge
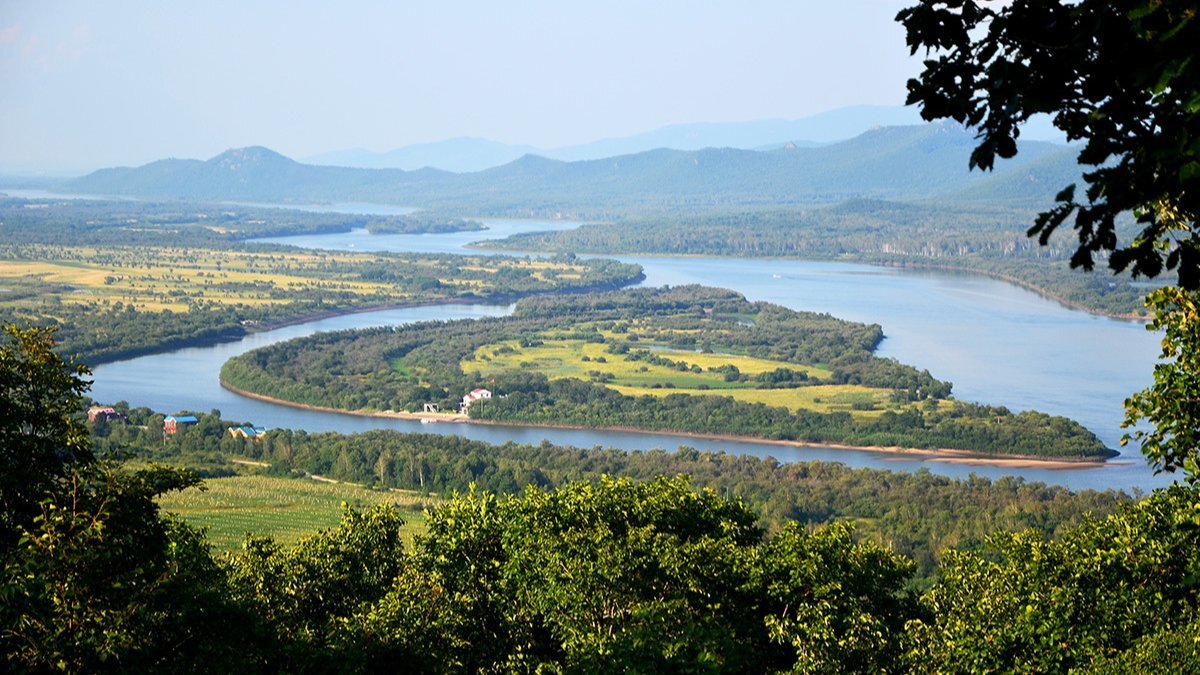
<point>907,162</point>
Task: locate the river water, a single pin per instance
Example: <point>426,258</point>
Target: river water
<point>997,343</point>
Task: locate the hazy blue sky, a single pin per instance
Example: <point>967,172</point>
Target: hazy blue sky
<point>90,84</point>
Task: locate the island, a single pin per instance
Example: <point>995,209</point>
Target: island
<point>689,359</point>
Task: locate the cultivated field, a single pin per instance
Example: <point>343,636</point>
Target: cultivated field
<point>155,279</point>
<point>693,373</point>
<point>283,508</point>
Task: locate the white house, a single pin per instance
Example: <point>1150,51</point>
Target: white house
<point>475,395</point>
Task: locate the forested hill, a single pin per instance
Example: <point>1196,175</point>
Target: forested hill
<point>912,162</point>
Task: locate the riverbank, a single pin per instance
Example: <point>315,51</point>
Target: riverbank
<point>911,265</point>
<point>430,417</point>
<point>1015,281</point>
<point>941,455</point>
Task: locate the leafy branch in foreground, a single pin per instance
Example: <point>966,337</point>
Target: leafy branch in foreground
<point>1172,403</point>
<point>1119,75</point>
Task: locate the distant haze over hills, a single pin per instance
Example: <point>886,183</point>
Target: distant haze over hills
<point>475,154</point>
<point>465,155</point>
<point>905,162</point>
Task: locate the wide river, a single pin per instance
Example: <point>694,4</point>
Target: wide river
<point>997,343</point>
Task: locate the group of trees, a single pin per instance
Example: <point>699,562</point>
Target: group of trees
<point>88,222</point>
<point>421,223</point>
<point>917,515</point>
<point>982,429</point>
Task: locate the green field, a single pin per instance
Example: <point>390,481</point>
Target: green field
<point>156,278</point>
<point>824,398</point>
<point>286,509</point>
<point>584,360</point>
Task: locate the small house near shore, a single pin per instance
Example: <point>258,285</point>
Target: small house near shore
<point>475,395</point>
<point>106,414</point>
<point>247,431</point>
<point>174,423</point>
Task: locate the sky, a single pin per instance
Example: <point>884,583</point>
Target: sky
<point>85,85</point>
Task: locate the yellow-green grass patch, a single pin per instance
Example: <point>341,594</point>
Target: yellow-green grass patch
<point>745,364</point>
<point>817,398</point>
<point>285,509</point>
<point>564,358</point>
<point>159,278</point>
<point>54,272</point>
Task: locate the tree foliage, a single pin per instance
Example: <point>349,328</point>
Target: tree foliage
<point>1030,605</point>
<point>917,515</point>
<point>1172,403</point>
<point>99,581</point>
<point>92,578</point>
<point>612,576</point>
<point>40,441</point>
<point>1120,76</point>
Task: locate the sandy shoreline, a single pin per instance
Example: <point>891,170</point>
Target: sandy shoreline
<point>390,414</point>
<point>944,455</point>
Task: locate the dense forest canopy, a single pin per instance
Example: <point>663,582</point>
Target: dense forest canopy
<point>916,514</point>
<point>98,221</point>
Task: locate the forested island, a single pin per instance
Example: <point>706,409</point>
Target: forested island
<point>423,223</point>
<point>685,359</point>
<point>122,279</point>
<point>976,238</point>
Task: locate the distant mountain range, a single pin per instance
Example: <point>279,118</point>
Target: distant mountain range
<point>926,161</point>
<point>462,155</point>
<point>465,155</point>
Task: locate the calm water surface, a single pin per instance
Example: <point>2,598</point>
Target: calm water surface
<point>997,343</point>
